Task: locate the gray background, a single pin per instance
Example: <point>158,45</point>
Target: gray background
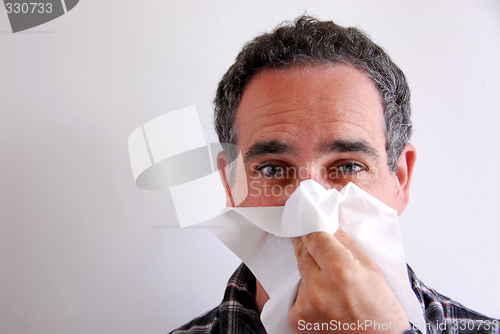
<point>79,252</point>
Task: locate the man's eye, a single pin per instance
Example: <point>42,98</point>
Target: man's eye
<point>272,171</point>
<point>351,168</point>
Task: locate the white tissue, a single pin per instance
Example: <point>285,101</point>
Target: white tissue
<point>260,237</point>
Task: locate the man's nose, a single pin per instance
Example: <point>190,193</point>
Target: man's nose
<point>315,173</point>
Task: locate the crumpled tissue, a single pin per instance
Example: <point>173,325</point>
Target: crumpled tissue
<point>260,237</point>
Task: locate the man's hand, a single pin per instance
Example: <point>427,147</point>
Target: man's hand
<point>341,283</point>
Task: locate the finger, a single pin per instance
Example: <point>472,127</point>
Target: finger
<point>305,261</point>
<point>355,249</point>
<point>325,249</point>
<point>297,293</point>
<point>346,241</point>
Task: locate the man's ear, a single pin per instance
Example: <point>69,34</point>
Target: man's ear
<point>224,173</point>
<point>406,164</point>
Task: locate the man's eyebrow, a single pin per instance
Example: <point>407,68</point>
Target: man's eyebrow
<point>264,147</point>
<point>343,146</point>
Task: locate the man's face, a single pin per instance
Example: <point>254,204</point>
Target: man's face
<point>318,122</point>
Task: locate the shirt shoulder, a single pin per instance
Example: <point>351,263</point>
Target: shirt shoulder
<point>237,313</point>
<point>445,315</point>
<point>205,323</point>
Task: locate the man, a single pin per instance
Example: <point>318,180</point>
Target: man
<point>324,100</point>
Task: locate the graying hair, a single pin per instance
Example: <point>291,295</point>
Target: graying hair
<point>308,41</point>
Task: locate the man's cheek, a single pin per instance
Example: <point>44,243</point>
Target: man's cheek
<point>259,193</point>
<point>239,189</point>
<point>255,196</point>
<point>268,193</point>
<point>255,190</point>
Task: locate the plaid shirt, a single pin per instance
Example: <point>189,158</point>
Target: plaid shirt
<point>238,314</point>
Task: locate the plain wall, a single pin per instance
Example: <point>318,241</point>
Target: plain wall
<point>83,250</point>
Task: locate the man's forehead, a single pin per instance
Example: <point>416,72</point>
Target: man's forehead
<point>280,104</point>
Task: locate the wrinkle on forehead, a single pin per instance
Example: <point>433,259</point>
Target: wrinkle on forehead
<point>292,129</point>
<point>317,109</point>
<point>310,101</point>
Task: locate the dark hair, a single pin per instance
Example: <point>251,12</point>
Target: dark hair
<point>308,41</point>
